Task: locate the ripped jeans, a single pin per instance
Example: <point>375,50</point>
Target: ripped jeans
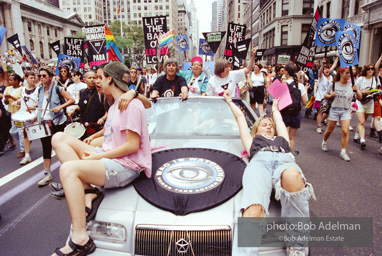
<point>262,174</point>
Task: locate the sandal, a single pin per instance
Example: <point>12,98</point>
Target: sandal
<point>95,203</point>
<point>78,250</point>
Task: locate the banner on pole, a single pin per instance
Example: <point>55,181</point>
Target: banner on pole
<point>213,39</point>
<point>14,40</point>
<point>326,31</point>
<point>55,47</point>
<point>29,55</point>
<point>153,28</point>
<point>356,31</point>
<point>64,60</point>
<point>74,47</point>
<point>2,33</point>
<point>347,49</point>
<point>204,48</point>
<point>96,46</point>
<point>182,42</point>
<point>235,34</point>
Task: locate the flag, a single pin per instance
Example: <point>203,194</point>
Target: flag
<point>166,38</point>
<point>119,6</point>
<point>310,102</point>
<point>111,46</point>
<point>2,33</point>
<point>14,40</point>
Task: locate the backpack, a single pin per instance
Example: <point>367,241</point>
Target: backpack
<point>295,107</point>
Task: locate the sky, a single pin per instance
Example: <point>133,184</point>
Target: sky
<point>204,14</point>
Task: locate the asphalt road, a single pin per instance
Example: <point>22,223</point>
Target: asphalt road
<point>33,223</point>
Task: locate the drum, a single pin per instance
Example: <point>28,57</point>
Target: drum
<point>77,130</point>
<point>21,118</point>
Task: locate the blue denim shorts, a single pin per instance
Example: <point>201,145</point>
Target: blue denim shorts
<point>117,175</point>
<point>262,174</point>
<point>339,114</point>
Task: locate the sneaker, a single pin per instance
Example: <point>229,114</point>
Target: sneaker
<point>297,251</point>
<point>45,180</point>
<point>11,147</point>
<point>323,147</point>
<point>26,160</point>
<point>319,130</point>
<point>345,157</point>
<point>357,141</point>
<point>351,128</point>
<point>60,194</point>
<point>363,145</point>
<point>55,186</point>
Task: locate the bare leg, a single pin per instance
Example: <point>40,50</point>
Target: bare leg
<point>73,175</point>
<point>47,164</point>
<point>291,180</point>
<point>345,133</point>
<point>260,106</point>
<point>319,118</point>
<point>362,117</point>
<point>292,133</point>
<point>331,126</point>
<point>377,123</point>
<point>27,144</point>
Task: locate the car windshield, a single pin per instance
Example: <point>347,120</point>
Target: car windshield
<point>201,116</point>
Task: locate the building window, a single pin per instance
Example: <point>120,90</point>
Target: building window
<point>41,49</point>
<point>304,31</point>
<point>274,10</point>
<point>357,8</point>
<point>345,9</point>
<point>31,45</point>
<point>284,35</point>
<point>39,29</point>
<point>285,8</point>
<point>47,31</point>
<point>29,26</point>
<point>307,7</point>
<point>55,32</point>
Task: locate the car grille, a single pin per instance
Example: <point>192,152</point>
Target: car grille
<point>183,240</point>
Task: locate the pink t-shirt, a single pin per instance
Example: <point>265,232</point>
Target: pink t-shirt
<point>133,119</point>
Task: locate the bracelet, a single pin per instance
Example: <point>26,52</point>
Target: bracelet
<point>136,94</point>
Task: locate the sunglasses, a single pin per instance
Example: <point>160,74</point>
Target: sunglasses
<point>133,72</point>
<point>370,68</point>
<point>63,70</point>
<point>42,76</point>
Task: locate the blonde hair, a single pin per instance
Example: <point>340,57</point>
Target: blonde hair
<point>255,126</point>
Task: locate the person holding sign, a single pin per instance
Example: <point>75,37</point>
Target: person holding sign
<point>271,166</point>
<point>342,91</point>
<point>225,79</point>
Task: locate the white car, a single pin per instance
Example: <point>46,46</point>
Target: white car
<point>190,204</point>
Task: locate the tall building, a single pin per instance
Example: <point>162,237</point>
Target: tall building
<point>37,23</point>
<point>251,20</point>
<point>214,21</point>
<point>90,11</point>
<point>194,27</point>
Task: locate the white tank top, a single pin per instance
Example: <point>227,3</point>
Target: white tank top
<point>257,80</point>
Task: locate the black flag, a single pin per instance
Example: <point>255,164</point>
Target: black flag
<point>14,40</point>
<point>213,39</point>
<point>56,47</point>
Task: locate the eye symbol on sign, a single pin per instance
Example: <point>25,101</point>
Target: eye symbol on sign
<point>182,42</point>
<point>328,32</point>
<point>205,47</point>
<point>347,49</point>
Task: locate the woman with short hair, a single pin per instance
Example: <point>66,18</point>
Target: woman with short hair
<point>259,83</point>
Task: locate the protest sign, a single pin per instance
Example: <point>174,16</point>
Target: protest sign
<point>259,54</point>
<point>235,34</point>
<point>347,49</point>
<point>283,59</point>
<point>307,52</point>
<point>29,55</point>
<point>55,47</point>
<point>153,27</point>
<point>64,60</point>
<point>356,31</point>
<point>2,33</point>
<point>213,39</point>
<point>326,31</point>
<point>74,47</point>
<point>204,48</point>
<point>14,40</point>
<point>96,46</point>
<point>182,42</point>
<point>280,90</point>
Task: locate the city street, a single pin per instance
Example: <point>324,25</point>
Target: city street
<point>33,223</point>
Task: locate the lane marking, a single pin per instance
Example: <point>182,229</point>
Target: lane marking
<point>25,185</point>
<point>13,175</point>
<point>13,224</point>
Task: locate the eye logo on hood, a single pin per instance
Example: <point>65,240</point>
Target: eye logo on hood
<point>189,175</point>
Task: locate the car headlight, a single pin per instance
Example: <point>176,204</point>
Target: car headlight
<point>106,231</point>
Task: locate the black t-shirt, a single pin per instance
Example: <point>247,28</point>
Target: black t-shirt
<point>95,109</point>
<point>167,88</point>
<point>130,83</point>
<point>261,141</point>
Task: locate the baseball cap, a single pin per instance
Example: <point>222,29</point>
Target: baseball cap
<point>116,70</point>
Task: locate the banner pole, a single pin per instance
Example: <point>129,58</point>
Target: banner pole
<point>185,55</point>
<point>351,75</point>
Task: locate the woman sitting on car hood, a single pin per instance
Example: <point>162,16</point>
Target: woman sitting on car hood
<point>271,166</point>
